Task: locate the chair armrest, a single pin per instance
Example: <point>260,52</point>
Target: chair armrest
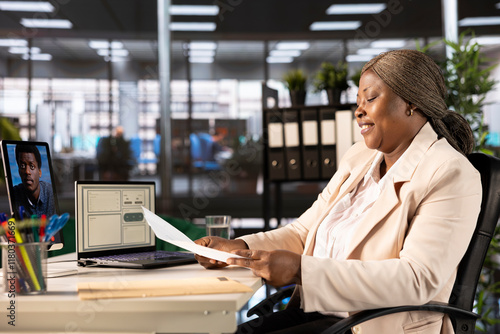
<point>456,314</point>
<point>266,306</point>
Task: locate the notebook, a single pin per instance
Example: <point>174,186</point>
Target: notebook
<point>111,229</point>
<point>37,173</point>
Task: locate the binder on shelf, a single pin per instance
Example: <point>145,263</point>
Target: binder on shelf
<point>310,143</point>
<point>344,131</point>
<point>292,144</point>
<point>328,154</point>
<point>275,145</point>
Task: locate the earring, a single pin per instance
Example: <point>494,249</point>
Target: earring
<point>411,112</point>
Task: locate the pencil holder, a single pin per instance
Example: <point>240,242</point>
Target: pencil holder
<point>24,267</point>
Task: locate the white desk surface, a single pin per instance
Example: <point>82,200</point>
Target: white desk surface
<point>61,311</point>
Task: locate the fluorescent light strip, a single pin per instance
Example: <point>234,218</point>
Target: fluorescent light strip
<point>479,21</point>
<point>360,8</point>
<point>193,26</point>
<point>486,40</point>
<point>97,44</point>
<point>26,6</point>
<point>205,60</point>
<point>23,49</point>
<point>114,52</point>
<point>388,43</point>
<point>115,59</point>
<point>358,58</point>
<point>274,60</point>
<point>202,45</point>
<point>284,53</point>
<point>13,42</point>
<point>292,46</point>
<point>335,25</point>
<point>46,23</point>
<point>194,10</point>
<point>40,56</point>
<point>201,53</point>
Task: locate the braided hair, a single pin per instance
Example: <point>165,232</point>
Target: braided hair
<point>417,79</point>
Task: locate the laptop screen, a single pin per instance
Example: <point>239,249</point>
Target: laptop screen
<point>30,180</point>
<point>109,217</point>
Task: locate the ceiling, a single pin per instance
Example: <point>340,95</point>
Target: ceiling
<point>242,26</point>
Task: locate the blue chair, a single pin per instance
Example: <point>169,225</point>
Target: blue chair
<point>202,154</point>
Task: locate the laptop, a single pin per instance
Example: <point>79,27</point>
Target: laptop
<point>111,229</point>
<point>37,173</point>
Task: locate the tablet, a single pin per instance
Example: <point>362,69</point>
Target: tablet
<point>30,181</point>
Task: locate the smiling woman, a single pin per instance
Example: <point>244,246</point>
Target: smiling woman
<point>371,238</point>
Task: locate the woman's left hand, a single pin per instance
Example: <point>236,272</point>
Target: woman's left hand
<point>277,267</point>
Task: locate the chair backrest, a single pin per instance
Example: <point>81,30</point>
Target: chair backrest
<point>207,146</point>
<point>195,147</point>
<point>470,267</point>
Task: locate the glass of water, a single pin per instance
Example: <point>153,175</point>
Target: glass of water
<point>219,226</point>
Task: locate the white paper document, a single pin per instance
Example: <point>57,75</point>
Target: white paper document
<point>170,234</point>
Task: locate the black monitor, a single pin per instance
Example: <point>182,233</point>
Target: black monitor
<point>34,157</point>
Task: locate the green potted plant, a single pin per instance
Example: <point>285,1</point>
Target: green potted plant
<point>468,79</point>
<point>332,79</point>
<point>356,77</point>
<point>295,80</point>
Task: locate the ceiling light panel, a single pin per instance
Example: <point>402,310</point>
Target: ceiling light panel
<point>204,60</point>
<point>388,43</point>
<point>27,6</point>
<point>202,53</point>
<point>359,8</point>
<point>486,40</point>
<point>292,46</point>
<point>114,53</point>
<point>193,26</point>
<point>358,58</point>
<point>479,21</point>
<point>98,44</point>
<point>335,25</point>
<point>40,56</point>
<point>203,45</point>
<point>194,10</point>
<point>13,42</point>
<point>284,53</point>
<point>275,60</point>
<point>23,49</point>
<point>46,23</point>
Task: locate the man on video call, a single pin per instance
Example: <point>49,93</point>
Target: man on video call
<point>34,195</point>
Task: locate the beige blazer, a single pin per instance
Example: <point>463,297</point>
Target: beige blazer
<point>404,252</point>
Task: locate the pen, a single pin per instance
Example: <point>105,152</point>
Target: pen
<point>27,261</point>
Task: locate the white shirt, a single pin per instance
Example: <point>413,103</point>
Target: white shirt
<point>335,232</point>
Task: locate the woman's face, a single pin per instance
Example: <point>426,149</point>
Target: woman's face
<point>383,116</point>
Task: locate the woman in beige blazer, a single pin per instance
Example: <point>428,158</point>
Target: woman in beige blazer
<point>392,224</point>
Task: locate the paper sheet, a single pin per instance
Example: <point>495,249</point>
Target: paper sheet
<point>170,234</point>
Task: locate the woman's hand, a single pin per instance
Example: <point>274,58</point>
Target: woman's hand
<point>277,267</point>
<point>220,244</point>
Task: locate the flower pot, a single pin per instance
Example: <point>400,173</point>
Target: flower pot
<point>333,95</point>
<point>298,97</point>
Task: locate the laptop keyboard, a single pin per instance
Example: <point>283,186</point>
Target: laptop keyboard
<point>154,255</point>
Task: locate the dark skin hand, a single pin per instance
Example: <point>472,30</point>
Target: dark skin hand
<point>278,267</point>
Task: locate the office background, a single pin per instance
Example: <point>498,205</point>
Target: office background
<point>73,84</point>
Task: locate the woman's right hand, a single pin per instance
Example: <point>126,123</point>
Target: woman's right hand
<point>219,244</point>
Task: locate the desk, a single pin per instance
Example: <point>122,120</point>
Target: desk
<point>61,311</point>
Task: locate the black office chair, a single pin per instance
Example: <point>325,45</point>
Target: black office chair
<point>459,307</point>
